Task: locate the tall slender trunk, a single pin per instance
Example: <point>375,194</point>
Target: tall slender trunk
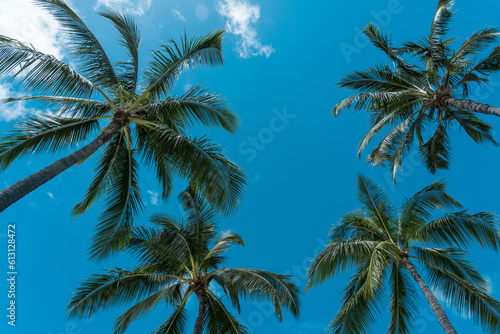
<point>473,106</point>
<point>202,311</point>
<point>22,188</point>
<point>431,299</point>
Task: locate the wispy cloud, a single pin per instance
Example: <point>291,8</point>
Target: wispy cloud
<point>177,14</point>
<point>139,7</point>
<point>241,15</point>
<point>11,111</point>
<point>154,197</point>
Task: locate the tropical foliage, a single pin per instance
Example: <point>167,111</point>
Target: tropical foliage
<point>179,260</point>
<point>143,124</point>
<point>385,246</point>
<point>422,102</point>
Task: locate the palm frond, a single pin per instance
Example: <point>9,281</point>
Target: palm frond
<point>359,307</point>
<point>196,105</point>
<point>68,106</point>
<point>116,286</point>
<point>84,46</point>
<point>169,62</point>
<point>35,135</point>
<point>123,203</point>
<point>461,229</point>
<point>376,201</point>
<point>402,301</point>
<point>145,306</point>
<point>209,171</point>
<point>177,322</point>
<point>40,72</point>
<point>436,152</point>
<point>130,38</point>
<point>262,285</point>
<point>219,319</point>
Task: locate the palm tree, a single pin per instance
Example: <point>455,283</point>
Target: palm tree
<point>432,95</point>
<point>144,124</point>
<point>177,261</point>
<point>385,247</point>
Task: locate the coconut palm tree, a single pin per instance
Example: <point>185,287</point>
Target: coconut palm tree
<point>387,247</point>
<point>143,122</point>
<point>179,260</point>
<point>429,96</point>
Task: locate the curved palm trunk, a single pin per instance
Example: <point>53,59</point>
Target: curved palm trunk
<point>202,311</point>
<point>22,188</point>
<point>431,299</point>
<point>473,106</point>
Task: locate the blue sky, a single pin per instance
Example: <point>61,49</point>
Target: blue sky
<point>282,59</point>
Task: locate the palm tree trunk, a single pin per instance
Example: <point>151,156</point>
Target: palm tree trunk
<point>431,299</point>
<point>22,188</point>
<point>200,320</point>
<point>473,106</point>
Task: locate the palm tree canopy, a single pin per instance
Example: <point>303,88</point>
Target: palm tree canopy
<point>153,123</point>
<point>376,240</point>
<point>178,259</point>
<point>420,102</point>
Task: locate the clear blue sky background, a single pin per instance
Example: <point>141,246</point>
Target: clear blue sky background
<point>300,182</point>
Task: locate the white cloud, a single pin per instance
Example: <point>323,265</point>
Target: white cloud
<point>154,197</point>
<point>51,195</point>
<point>31,24</point>
<point>241,15</point>
<point>126,6</point>
<point>177,14</point>
<point>14,110</point>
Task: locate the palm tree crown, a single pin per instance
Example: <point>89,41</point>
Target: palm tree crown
<point>411,99</point>
<point>145,124</point>
<point>385,247</point>
<point>179,260</point>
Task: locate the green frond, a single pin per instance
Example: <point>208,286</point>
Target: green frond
<point>84,46</point>
<point>220,320</point>
<point>476,43</point>
<point>338,257</point>
<point>461,229</point>
<point>377,203</point>
<point>130,38</point>
<point>115,287</point>
<point>40,72</point>
<point>453,260</point>
<point>356,225</point>
<point>44,133</point>
<point>123,204</point>
<point>417,210</point>
<point>222,244</point>
<point>403,299</point>
<point>476,128</point>
<point>382,42</point>
<point>145,306</point>
<point>177,322</point>
<point>109,159</point>
<point>172,58</point>
<point>69,106</point>
<point>436,152</point>
<point>359,307</point>
<point>261,285</point>
<point>466,298</point>
<point>209,171</point>
<point>196,105</point>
